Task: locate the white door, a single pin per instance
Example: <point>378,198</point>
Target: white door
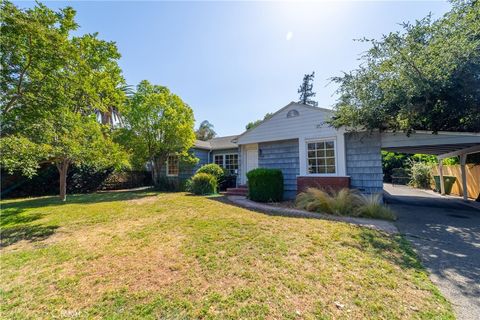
<point>252,159</point>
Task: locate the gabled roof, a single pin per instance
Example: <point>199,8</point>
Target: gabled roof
<point>218,143</point>
<point>280,110</point>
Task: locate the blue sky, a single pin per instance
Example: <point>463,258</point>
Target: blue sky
<point>232,62</point>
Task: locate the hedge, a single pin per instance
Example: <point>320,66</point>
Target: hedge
<point>265,185</point>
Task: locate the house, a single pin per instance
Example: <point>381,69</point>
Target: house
<point>298,141</point>
<point>220,150</point>
<point>310,153</point>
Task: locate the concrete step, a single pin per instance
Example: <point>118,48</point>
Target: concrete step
<point>240,191</point>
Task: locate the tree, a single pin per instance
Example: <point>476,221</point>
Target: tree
<point>157,124</point>
<point>425,77</point>
<point>205,131</point>
<point>255,123</point>
<point>52,85</point>
<point>64,139</point>
<point>306,90</point>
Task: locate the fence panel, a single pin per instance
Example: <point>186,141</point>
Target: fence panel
<point>473,178</point>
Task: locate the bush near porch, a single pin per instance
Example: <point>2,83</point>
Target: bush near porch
<point>265,185</point>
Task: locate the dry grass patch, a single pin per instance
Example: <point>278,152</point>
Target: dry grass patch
<point>146,255</point>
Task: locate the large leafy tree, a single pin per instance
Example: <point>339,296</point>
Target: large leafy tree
<point>157,124</point>
<point>205,131</point>
<point>426,76</point>
<point>52,86</point>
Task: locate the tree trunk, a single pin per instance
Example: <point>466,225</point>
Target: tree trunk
<point>157,165</point>
<point>62,170</point>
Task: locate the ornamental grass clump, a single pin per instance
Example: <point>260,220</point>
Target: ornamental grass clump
<point>345,202</point>
<point>371,207</point>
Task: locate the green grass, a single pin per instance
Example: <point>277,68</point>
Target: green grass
<point>144,255</point>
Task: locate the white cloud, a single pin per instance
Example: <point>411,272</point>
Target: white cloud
<point>289,35</point>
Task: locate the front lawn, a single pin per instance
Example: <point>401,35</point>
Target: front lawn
<point>126,255</point>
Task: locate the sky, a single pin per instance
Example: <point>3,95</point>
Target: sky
<point>233,62</point>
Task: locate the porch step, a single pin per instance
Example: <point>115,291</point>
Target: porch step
<point>240,191</point>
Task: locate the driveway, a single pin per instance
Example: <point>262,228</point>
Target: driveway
<point>446,234</point>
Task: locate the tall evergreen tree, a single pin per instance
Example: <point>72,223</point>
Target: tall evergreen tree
<point>306,90</point>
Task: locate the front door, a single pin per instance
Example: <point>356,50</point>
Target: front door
<point>251,157</point>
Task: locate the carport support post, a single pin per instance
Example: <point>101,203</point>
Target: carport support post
<point>463,161</point>
<point>440,172</point>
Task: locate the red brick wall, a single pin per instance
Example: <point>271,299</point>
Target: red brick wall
<point>335,183</point>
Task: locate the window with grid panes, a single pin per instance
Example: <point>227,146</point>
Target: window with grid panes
<point>321,157</point>
<point>231,163</point>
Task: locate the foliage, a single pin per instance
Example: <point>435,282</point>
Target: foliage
<point>52,86</point>
<point>157,124</point>
<point>392,161</point>
<point>265,185</point>
<point>205,131</point>
<point>424,77</point>
<point>346,202</point>
<point>306,90</point>
<point>203,184</point>
<point>255,123</point>
<point>171,184</point>
<point>420,175</point>
<point>371,207</point>
<point>213,169</point>
<point>340,202</point>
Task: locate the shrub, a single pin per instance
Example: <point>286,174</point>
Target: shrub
<point>343,202</point>
<point>212,169</point>
<point>314,200</point>
<point>265,185</point>
<point>420,175</point>
<point>203,183</point>
<point>371,207</point>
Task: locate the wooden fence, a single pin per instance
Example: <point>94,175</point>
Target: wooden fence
<point>473,178</point>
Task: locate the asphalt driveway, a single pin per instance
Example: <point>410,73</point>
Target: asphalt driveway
<point>446,235</point>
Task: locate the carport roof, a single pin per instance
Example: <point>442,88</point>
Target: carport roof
<point>443,143</point>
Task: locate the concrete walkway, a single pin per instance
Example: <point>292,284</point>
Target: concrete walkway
<point>380,225</point>
<point>445,232</point>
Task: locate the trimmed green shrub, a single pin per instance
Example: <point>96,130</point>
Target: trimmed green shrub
<point>213,169</point>
<point>265,185</point>
<point>203,183</point>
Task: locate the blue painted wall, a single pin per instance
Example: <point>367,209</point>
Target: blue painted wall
<point>364,161</point>
<point>282,155</point>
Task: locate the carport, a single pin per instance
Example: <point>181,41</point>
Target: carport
<point>443,145</point>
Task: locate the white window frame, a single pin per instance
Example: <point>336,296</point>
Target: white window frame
<point>223,155</point>
<point>335,153</point>
<point>167,167</point>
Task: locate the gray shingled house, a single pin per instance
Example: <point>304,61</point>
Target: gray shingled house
<point>298,140</point>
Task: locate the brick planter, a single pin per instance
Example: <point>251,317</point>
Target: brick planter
<point>335,183</point>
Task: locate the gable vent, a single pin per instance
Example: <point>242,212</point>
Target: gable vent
<point>292,113</point>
